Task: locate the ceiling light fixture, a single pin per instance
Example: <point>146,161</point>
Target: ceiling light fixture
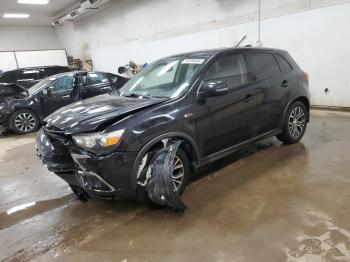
<point>33,2</point>
<point>15,16</point>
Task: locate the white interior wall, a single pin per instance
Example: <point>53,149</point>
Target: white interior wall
<point>313,31</point>
<point>14,38</point>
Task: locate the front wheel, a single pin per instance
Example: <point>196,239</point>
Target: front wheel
<point>24,121</point>
<point>294,124</point>
<point>180,177</point>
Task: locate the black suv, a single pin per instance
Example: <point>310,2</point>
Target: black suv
<point>23,113</point>
<point>213,101</point>
<point>16,81</point>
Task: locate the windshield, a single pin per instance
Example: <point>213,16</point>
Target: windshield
<point>41,85</point>
<point>165,78</point>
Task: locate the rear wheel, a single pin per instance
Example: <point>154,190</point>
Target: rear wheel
<point>295,124</point>
<point>180,176</point>
<point>24,121</point>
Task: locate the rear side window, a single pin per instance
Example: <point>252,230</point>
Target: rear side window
<point>264,65</point>
<point>28,75</point>
<point>8,77</point>
<point>285,66</point>
<point>112,78</point>
<point>49,71</point>
<point>96,79</point>
<point>230,69</point>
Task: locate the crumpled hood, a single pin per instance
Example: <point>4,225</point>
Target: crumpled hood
<point>89,114</point>
<point>9,91</point>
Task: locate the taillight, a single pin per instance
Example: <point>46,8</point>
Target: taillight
<point>306,78</point>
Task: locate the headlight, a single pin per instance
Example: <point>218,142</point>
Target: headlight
<point>97,142</point>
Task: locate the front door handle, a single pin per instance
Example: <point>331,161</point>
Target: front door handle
<point>284,84</point>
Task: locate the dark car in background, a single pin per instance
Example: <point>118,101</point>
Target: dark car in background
<point>213,101</point>
<point>16,81</point>
<point>24,112</point>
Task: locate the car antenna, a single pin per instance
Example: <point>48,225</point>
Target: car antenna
<point>240,42</point>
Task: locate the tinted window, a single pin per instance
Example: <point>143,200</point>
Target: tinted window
<point>286,67</point>
<point>264,65</point>
<point>49,71</point>
<point>162,75</point>
<point>230,69</point>
<point>63,84</point>
<point>96,78</point>
<point>28,75</point>
<point>112,78</point>
<point>42,84</point>
<point>8,77</point>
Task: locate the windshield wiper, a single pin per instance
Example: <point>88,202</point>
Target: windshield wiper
<point>138,95</point>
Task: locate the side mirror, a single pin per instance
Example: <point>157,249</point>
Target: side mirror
<point>213,88</point>
<point>45,92</point>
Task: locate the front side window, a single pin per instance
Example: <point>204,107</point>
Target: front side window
<point>264,65</point>
<point>41,85</point>
<point>165,78</point>
<point>96,79</point>
<point>230,69</point>
<point>62,85</point>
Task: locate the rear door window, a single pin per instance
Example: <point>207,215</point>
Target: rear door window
<point>264,65</point>
<point>230,69</point>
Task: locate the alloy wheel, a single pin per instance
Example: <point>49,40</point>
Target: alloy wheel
<point>296,123</point>
<point>25,122</point>
<point>178,173</point>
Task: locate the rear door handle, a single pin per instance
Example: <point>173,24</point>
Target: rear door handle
<point>284,84</point>
<point>249,98</point>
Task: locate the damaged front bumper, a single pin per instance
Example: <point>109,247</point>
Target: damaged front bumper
<point>107,177</point>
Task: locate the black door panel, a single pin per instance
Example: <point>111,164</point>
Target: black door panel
<point>223,121</point>
<point>59,94</point>
<point>272,88</point>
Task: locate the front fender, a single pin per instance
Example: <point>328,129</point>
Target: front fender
<point>179,135</point>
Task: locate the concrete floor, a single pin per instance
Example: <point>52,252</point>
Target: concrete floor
<point>265,203</point>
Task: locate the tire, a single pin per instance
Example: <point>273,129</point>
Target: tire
<point>24,121</point>
<point>142,194</point>
<point>295,123</point>
<point>80,193</point>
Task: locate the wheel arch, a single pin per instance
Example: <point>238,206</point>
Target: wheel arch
<point>20,109</point>
<point>189,146</point>
<point>305,100</point>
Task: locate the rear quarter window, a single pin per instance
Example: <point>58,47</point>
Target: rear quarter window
<point>264,65</point>
<point>284,64</point>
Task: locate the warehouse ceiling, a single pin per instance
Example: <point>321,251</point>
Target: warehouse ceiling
<point>40,15</point>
